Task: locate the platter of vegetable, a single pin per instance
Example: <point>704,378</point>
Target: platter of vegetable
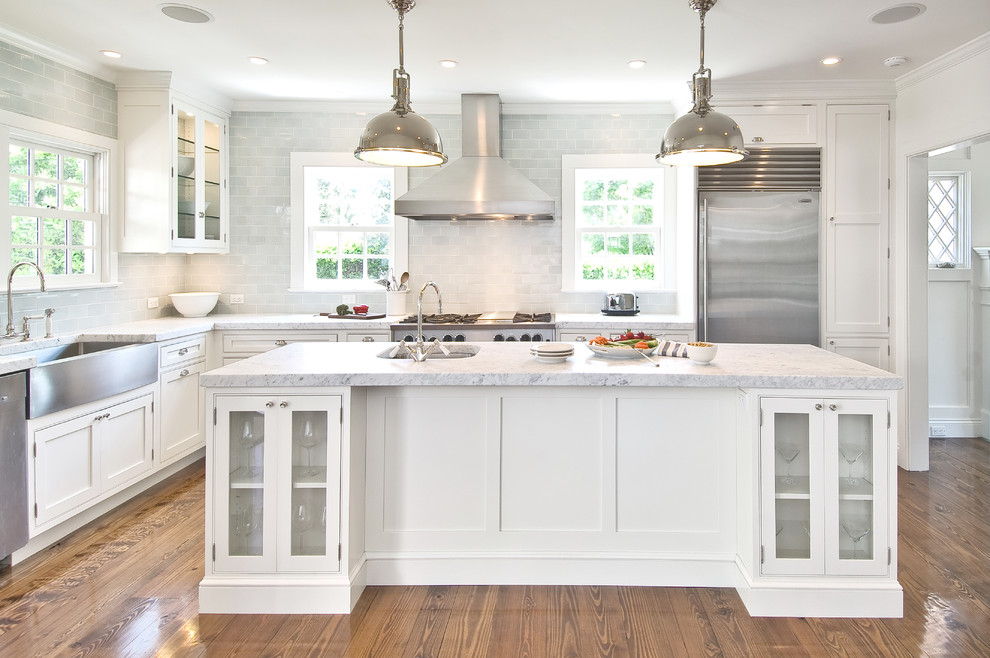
<point>630,348</point>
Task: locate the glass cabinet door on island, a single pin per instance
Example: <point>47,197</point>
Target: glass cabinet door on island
<point>278,494</point>
<point>823,501</point>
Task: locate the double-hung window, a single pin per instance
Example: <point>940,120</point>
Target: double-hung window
<point>948,219</point>
<point>57,206</point>
<point>345,234</point>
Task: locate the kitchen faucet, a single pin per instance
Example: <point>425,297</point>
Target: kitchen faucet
<point>421,349</point>
<point>11,333</point>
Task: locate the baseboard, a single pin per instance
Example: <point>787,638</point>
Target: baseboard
<point>305,594</point>
<point>55,534</point>
<point>955,428</point>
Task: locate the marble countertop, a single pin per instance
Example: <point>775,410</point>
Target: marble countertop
<point>510,364</point>
<point>599,320</point>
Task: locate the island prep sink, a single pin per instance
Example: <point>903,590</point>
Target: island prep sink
<point>457,351</point>
<point>77,373</point>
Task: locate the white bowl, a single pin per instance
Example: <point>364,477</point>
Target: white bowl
<point>186,165</point>
<point>702,354</point>
<point>194,304</point>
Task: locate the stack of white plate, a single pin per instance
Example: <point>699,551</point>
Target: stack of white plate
<point>552,352</point>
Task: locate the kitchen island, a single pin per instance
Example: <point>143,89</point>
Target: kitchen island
<point>770,470</point>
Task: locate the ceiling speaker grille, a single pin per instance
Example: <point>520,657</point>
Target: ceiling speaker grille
<point>766,169</point>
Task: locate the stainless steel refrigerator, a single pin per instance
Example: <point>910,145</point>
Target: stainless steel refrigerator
<point>758,266</point>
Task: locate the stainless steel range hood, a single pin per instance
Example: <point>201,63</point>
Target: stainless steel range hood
<point>480,184</point>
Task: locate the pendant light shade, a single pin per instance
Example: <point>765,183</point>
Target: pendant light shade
<point>702,137</point>
<point>400,137</point>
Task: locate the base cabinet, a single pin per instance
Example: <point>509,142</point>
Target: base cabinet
<point>88,454</point>
<point>824,487</point>
<point>181,419</point>
<point>276,484</point>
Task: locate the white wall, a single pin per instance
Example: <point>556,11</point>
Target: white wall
<point>942,103</point>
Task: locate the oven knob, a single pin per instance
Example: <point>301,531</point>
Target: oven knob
<point>459,338</point>
<point>524,337</point>
<point>498,337</point>
<point>537,338</point>
<point>447,338</point>
<point>408,338</point>
<point>511,338</point>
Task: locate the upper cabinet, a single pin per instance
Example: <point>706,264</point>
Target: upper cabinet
<point>175,167</point>
<point>771,125</point>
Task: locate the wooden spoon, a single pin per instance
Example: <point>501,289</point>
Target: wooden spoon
<point>403,279</point>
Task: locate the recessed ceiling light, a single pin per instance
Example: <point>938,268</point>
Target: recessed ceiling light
<point>831,61</point>
<point>898,13</point>
<point>112,54</point>
<point>637,63</point>
<point>448,63</point>
<point>186,14</point>
<point>259,61</point>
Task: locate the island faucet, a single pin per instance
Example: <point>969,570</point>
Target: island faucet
<point>11,333</point>
<point>421,349</point>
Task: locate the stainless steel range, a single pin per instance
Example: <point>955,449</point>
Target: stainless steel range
<point>478,327</point>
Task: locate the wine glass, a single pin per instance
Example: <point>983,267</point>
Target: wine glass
<point>856,531</point>
<point>851,454</point>
<point>308,440</point>
<point>302,521</point>
<point>249,440</point>
<point>788,452</point>
<point>244,523</point>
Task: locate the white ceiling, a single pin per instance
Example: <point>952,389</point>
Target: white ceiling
<point>528,51</point>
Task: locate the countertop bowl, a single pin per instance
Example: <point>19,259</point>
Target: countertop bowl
<point>194,304</point>
<point>701,353</point>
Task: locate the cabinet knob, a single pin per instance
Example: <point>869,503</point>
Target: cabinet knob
<point>269,404</point>
<point>201,214</point>
<point>832,407</point>
<point>283,404</point>
<point>280,342</point>
<point>368,339</point>
<point>818,407</point>
<point>183,373</point>
<point>831,342</point>
<point>831,219</point>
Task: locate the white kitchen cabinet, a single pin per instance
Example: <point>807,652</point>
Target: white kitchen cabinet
<point>856,229</point>
<point>824,487</point>
<point>584,334</point>
<point>871,351</point>
<point>368,337</point>
<point>86,453</point>
<point>181,420</point>
<point>770,125</point>
<point>237,345</point>
<point>175,169</point>
<point>276,484</point>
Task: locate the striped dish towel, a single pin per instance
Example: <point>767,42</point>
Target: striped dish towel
<point>670,348</point>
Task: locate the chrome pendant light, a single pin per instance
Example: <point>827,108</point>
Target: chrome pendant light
<point>400,137</point>
<point>702,137</point>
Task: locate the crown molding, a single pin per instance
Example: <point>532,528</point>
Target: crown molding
<point>56,54</point>
<point>372,108</point>
<point>952,58</point>
<point>804,90</point>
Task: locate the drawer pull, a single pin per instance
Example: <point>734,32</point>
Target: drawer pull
<point>582,339</point>
<point>183,351</point>
<point>280,342</point>
<point>183,373</point>
<point>368,339</point>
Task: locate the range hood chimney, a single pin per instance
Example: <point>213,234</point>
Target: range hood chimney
<point>480,184</point>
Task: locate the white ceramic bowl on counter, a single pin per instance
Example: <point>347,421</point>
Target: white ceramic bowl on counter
<point>701,353</point>
<point>194,304</point>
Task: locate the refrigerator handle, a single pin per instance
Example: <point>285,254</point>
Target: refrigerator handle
<point>703,244</point>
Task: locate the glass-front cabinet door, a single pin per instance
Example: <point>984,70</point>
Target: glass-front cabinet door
<point>199,181</point>
<point>792,486</point>
<point>309,512</point>
<point>245,471</point>
<point>855,513</point>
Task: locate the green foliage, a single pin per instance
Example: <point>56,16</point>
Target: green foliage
<point>46,164</point>
<point>593,191</point>
<point>592,272</point>
<point>18,160</point>
<point>352,268</point>
<point>326,268</point>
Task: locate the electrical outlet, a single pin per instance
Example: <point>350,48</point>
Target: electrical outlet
<point>349,299</point>
<point>152,302</point>
<point>937,430</point>
<point>237,299</point>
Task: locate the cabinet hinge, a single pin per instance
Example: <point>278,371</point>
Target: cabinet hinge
<point>214,416</point>
<point>214,552</point>
<point>35,448</point>
<point>888,420</point>
<point>890,557</point>
<point>152,407</point>
<point>171,109</point>
<point>173,235</point>
<point>36,510</point>
<point>152,454</point>
<point>888,183</point>
<point>340,552</point>
<point>888,321</point>
<point>888,253</point>
<point>888,350</point>
<point>761,417</point>
<point>341,415</point>
<point>762,554</point>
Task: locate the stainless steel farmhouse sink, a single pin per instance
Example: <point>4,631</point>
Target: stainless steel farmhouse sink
<point>456,352</point>
<point>77,373</point>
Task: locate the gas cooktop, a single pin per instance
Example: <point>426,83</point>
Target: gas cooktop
<point>482,318</point>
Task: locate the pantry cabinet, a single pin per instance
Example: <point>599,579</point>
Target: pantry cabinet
<point>175,169</point>
<point>824,487</point>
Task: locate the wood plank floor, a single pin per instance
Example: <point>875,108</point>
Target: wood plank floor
<point>126,585</point>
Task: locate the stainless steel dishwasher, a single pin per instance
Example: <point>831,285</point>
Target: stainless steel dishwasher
<point>13,465</point>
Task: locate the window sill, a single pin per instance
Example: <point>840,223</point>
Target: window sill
<point>18,289</point>
<point>345,291</point>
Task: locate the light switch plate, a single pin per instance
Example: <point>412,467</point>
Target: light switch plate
<point>350,299</point>
<point>237,299</point>
<point>152,302</point>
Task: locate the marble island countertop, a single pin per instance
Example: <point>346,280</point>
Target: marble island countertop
<point>511,364</point>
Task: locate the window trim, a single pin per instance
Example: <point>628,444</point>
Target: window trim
<point>963,211</point>
<point>672,228</point>
<point>106,189</point>
<point>299,252</point>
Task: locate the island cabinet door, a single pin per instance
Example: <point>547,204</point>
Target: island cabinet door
<point>308,524</point>
<point>244,473</point>
<point>792,486</point>
<point>856,519</point>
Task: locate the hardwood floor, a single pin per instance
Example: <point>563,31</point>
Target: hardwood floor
<point>126,585</point>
